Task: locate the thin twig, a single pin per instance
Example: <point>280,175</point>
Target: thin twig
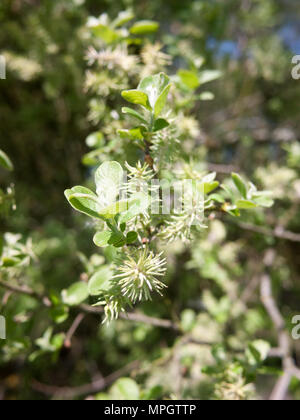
<point>135,317</point>
<point>91,388</point>
<point>77,321</point>
<point>222,169</point>
<point>278,232</point>
<point>24,290</point>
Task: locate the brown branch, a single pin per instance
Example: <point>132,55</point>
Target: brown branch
<point>289,367</point>
<point>222,169</point>
<point>77,321</point>
<point>91,388</point>
<point>278,232</point>
<point>135,317</point>
<point>24,290</point>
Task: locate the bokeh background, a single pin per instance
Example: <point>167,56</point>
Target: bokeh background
<point>252,125</point>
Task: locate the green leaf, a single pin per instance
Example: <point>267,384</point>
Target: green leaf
<point>75,294</point>
<point>59,314</point>
<point>231,209</point>
<point>257,352</point>
<point>105,33</point>
<point>100,281</point>
<point>101,238</point>
<point>133,134</point>
<point>217,197</point>
<point>263,199</point>
<point>155,393</point>
<point>209,183</point>
<point>5,162</point>
<point>136,97</point>
<point>7,262</point>
<point>210,186</point>
<point>125,389</point>
<point>144,27</point>
<point>57,341</point>
<point>160,124</point>
<point>245,204</point>
<point>109,179</point>
<point>189,78</point>
<point>112,210</point>
<point>137,205</point>
<point>117,239</point>
<point>131,237</point>
<point>161,101</point>
<point>240,184</point>
<point>154,87</point>
<point>134,114</point>
<point>209,75</point>
<point>206,96</point>
<point>123,17</point>
<point>84,200</point>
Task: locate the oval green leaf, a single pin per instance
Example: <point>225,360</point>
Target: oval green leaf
<point>100,281</point>
<point>144,27</point>
<point>75,294</point>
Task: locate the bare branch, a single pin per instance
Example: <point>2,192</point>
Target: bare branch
<point>289,368</point>
<point>77,321</point>
<point>91,388</point>
<point>135,317</point>
<point>278,232</point>
<point>24,290</point>
<point>222,169</point>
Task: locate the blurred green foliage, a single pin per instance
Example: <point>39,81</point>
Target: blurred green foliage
<point>60,120</point>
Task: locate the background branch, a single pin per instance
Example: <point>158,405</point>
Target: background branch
<point>289,367</point>
<point>91,388</point>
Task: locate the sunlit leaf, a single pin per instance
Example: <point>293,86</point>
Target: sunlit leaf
<point>240,184</point>
<point>100,281</point>
<point>107,34</point>
<point>113,209</point>
<point>108,179</point>
<point>189,78</point>
<point>144,27</point>
<point>154,86</point>
<point>245,204</point>
<point>125,389</point>
<point>123,17</point>
<point>134,114</point>
<point>136,97</point>
<point>84,200</point>
<point>137,205</point>
<point>75,294</point>
<point>209,75</point>
<point>161,101</point>
<point>133,134</point>
<point>101,238</point>
<point>5,161</point>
